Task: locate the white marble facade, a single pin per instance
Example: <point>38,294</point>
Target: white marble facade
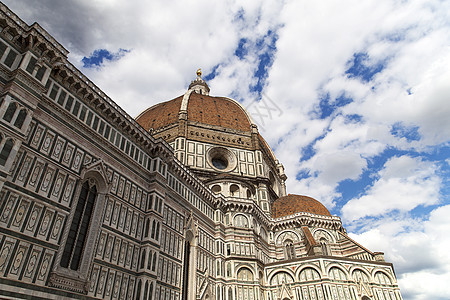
<point>92,206</point>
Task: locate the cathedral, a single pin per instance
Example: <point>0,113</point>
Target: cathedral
<point>187,201</point>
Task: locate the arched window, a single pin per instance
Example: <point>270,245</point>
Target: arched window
<point>138,290</point>
<point>289,250</point>
<point>153,229</point>
<point>157,231</point>
<point>309,274</point>
<point>9,113</point>
<point>147,225</point>
<point>20,118</point>
<point>154,262</point>
<point>249,194</point>
<point>244,274</point>
<point>216,189</point>
<point>145,289</point>
<point>359,275</point>
<point>382,278</point>
<point>150,292</point>
<point>79,227</point>
<point>337,274</point>
<point>234,190</point>
<point>324,246</point>
<point>263,233</point>
<point>143,258</point>
<point>280,278</point>
<point>241,221</point>
<point>4,154</point>
<point>230,294</point>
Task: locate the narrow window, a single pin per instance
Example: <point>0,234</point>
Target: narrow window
<point>54,91</point>
<point>146,289</point>
<point>76,108</point>
<point>153,229</point>
<point>61,98</point>
<point>40,73</point>
<point>150,292</point>
<point>2,49</point>
<point>31,65</point>
<point>82,113</point>
<point>6,151</point>
<point>78,229</point>
<point>89,118</point>
<point>101,127</point>
<point>143,258</point>
<point>154,262</point>
<point>122,144</point>
<point>20,118</point>
<point>95,124</point>
<point>10,112</point>
<point>69,103</point>
<point>112,136</point>
<point>10,58</point>
<point>117,142</point>
<point>107,129</point>
<point>138,290</point>
<point>187,254</point>
<point>157,231</point>
<point>147,225</point>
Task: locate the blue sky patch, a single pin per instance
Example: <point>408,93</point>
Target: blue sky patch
<point>410,133</point>
<point>303,174</point>
<point>328,106</point>
<point>100,55</point>
<point>353,118</point>
<point>308,151</point>
<point>267,46</point>
<point>213,73</point>
<point>241,50</point>
<point>360,67</point>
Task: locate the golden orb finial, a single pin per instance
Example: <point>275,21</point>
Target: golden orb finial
<point>199,72</point>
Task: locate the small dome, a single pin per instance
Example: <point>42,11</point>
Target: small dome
<point>292,204</point>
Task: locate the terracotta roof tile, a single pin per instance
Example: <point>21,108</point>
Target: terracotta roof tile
<point>217,111</point>
<point>292,204</point>
<point>161,114</point>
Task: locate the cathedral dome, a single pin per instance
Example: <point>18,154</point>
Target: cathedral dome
<point>199,108</point>
<point>292,204</point>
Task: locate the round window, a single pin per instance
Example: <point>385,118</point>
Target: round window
<point>219,162</point>
<point>221,159</point>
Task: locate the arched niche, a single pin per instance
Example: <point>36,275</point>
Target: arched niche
<point>245,274</point>
<point>281,277</point>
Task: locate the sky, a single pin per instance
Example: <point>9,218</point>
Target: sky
<point>353,96</point>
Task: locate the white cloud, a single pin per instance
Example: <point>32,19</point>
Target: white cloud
<point>403,184</point>
<point>419,249</point>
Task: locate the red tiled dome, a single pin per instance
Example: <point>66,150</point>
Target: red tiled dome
<point>160,115</point>
<point>292,204</point>
<point>204,109</point>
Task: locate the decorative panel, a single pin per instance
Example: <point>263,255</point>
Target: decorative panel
<point>58,148</point>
